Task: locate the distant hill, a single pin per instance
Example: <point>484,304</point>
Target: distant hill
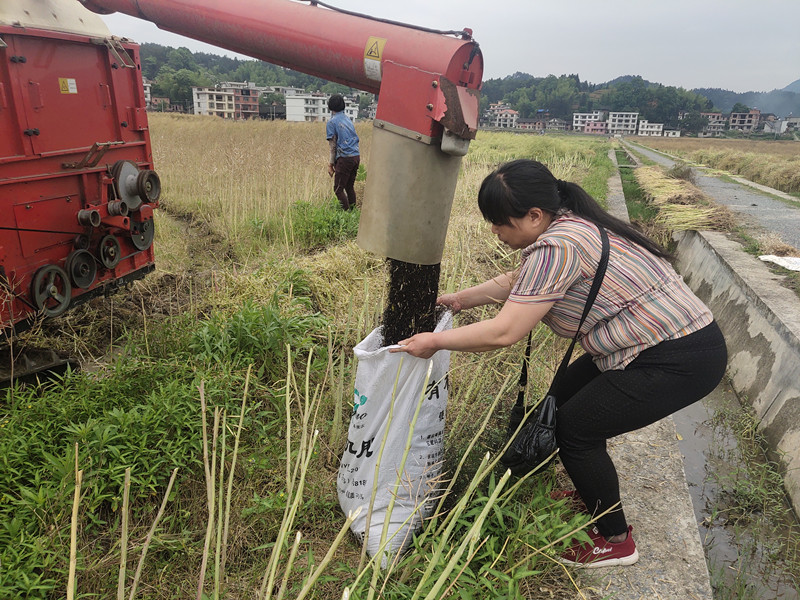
<point>779,102</point>
<point>793,87</point>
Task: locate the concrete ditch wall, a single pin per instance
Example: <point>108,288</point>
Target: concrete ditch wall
<point>761,322</point>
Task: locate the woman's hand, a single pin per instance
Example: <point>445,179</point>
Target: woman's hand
<point>421,345</point>
<point>451,301</point>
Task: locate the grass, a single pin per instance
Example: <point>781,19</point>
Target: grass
<point>260,287</point>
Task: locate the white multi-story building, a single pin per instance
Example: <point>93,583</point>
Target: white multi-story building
<point>580,120</point>
<point>314,107</point>
<point>245,97</point>
<point>777,127</point>
<point>556,125</point>
<point>793,123</point>
<point>229,100</point>
<point>501,115</point>
<point>213,101</point>
<point>286,90</point>
<point>672,133</point>
<point>622,123</point>
<point>505,118</point>
<point>650,129</point>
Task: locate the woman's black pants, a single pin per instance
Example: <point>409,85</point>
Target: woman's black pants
<point>594,406</point>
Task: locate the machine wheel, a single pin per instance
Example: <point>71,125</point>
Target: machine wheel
<point>148,185</point>
<point>126,184</point>
<point>142,233</point>
<point>109,252</point>
<point>52,291</point>
<point>82,268</point>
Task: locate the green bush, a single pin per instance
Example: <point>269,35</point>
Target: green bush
<point>258,335</point>
<point>318,225</point>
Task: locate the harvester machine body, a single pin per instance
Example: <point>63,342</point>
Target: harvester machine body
<point>77,189</point>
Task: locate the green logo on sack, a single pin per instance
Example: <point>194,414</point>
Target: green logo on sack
<point>359,400</point>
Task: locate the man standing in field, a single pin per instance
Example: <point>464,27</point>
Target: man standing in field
<point>345,156</point>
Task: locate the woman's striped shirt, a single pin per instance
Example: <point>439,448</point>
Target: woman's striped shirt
<point>642,301</point>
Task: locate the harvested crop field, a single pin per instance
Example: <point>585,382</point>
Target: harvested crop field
<point>772,163</point>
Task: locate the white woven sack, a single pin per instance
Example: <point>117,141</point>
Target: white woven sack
<point>374,389</point>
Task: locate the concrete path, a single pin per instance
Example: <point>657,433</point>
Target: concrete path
<point>756,204</point>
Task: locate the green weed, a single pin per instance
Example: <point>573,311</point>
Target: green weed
<point>639,210</point>
<point>310,226</point>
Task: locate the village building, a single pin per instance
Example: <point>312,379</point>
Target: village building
<point>581,120</point>
<point>556,125</point>
<point>746,122</point>
<point>648,129</point>
<point>717,124</point>
<point>314,108</point>
<point>532,124</point>
<point>596,128</point>
<point>213,101</point>
<point>622,123</point>
<point>500,115</point>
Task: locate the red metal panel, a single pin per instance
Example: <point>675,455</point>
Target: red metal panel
<point>13,143</point>
<point>54,215</point>
<point>66,101</point>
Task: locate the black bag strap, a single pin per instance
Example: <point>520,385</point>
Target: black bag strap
<point>596,283</point>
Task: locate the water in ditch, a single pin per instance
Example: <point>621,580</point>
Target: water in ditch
<point>747,545</point>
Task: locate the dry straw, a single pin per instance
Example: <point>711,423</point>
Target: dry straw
<point>680,204</point>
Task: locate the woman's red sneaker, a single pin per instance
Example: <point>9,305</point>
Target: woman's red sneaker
<point>599,552</point>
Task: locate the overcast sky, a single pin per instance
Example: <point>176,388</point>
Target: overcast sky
<point>738,45</point>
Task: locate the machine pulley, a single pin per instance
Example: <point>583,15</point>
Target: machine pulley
<point>109,252</point>
<point>142,233</point>
<point>82,268</point>
<point>52,291</point>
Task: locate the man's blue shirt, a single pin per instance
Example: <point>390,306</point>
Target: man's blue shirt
<point>341,126</point>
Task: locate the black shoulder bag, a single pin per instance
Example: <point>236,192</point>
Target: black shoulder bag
<point>535,444</point>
